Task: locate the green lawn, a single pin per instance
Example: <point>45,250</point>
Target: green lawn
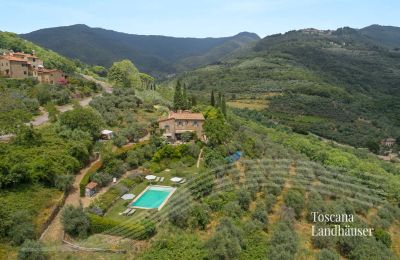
<point>121,205</point>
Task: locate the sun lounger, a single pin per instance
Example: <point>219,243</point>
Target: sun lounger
<point>162,179</point>
<point>125,212</point>
<point>157,179</point>
<point>182,181</point>
<point>131,212</point>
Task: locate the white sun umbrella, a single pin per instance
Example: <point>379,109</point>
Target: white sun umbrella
<point>128,196</point>
<point>176,179</point>
<point>150,177</point>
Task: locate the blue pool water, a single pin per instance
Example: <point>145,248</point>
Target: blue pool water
<point>153,197</point>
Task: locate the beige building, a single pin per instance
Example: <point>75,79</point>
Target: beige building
<point>51,76</point>
<point>13,67</point>
<point>20,65</point>
<point>177,123</point>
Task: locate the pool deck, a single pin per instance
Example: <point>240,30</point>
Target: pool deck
<point>173,189</point>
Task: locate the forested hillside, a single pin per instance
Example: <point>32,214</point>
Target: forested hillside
<point>51,59</point>
<point>386,35</point>
<point>158,55</point>
<point>339,84</point>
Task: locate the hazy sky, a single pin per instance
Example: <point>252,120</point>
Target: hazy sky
<point>198,18</point>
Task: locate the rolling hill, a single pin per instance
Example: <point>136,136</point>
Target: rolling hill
<point>157,55</point>
<point>341,84</point>
<point>388,36</point>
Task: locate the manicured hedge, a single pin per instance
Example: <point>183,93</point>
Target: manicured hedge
<point>85,180</point>
<point>141,230</point>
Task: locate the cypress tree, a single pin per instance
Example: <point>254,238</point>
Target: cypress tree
<point>223,105</point>
<point>194,101</point>
<point>212,98</point>
<point>185,102</point>
<point>219,99</point>
<point>178,104</point>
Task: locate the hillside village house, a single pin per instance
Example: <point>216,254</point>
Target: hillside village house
<point>388,142</point>
<point>20,65</point>
<point>177,123</point>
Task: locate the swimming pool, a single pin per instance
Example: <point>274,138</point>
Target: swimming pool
<point>153,197</point>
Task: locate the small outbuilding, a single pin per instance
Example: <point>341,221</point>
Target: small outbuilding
<point>107,134</point>
<point>91,189</point>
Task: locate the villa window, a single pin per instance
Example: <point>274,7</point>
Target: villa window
<point>195,123</point>
<point>180,123</point>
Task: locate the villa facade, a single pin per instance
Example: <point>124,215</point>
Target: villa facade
<point>177,123</point>
<point>20,65</point>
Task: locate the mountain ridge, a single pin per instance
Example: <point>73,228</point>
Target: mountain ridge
<point>154,54</point>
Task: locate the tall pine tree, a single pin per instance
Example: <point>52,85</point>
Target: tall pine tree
<point>219,100</point>
<point>223,105</point>
<point>185,100</point>
<point>178,97</point>
<point>212,98</point>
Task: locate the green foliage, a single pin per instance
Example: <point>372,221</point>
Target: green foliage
<point>295,199</point>
<point>199,216</point>
<point>244,199</point>
<point>383,236</point>
<point>30,161</point>
<point>124,74</point>
<point>171,152</point>
<point>284,242</point>
<point>175,245</point>
<point>103,179</point>
<point>227,241</point>
<point>75,221</point>
<point>31,250</point>
<point>99,70</point>
<point>85,119</point>
<point>326,254</point>
<point>216,128</point>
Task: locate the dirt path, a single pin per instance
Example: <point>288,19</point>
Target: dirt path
<point>54,232</point>
<point>106,86</point>
<point>44,117</point>
<point>199,159</point>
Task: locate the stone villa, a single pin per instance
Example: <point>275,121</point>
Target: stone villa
<point>177,123</point>
<point>20,65</point>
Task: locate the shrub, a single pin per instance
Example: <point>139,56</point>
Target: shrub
<point>244,199</point>
<point>295,200</point>
<point>22,231</point>
<point>103,179</point>
<point>383,236</point>
<point>75,221</point>
<point>199,216</point>
<point>31,250</point>
<point>283,243</point>
<point>326,254</point>
<point>233,210</point>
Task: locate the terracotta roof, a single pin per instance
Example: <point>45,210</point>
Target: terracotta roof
<point>184,115</point>
<point>25,54</point>
<point>48,71</point>
<point>91,185</point>
<point>12,58</point>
